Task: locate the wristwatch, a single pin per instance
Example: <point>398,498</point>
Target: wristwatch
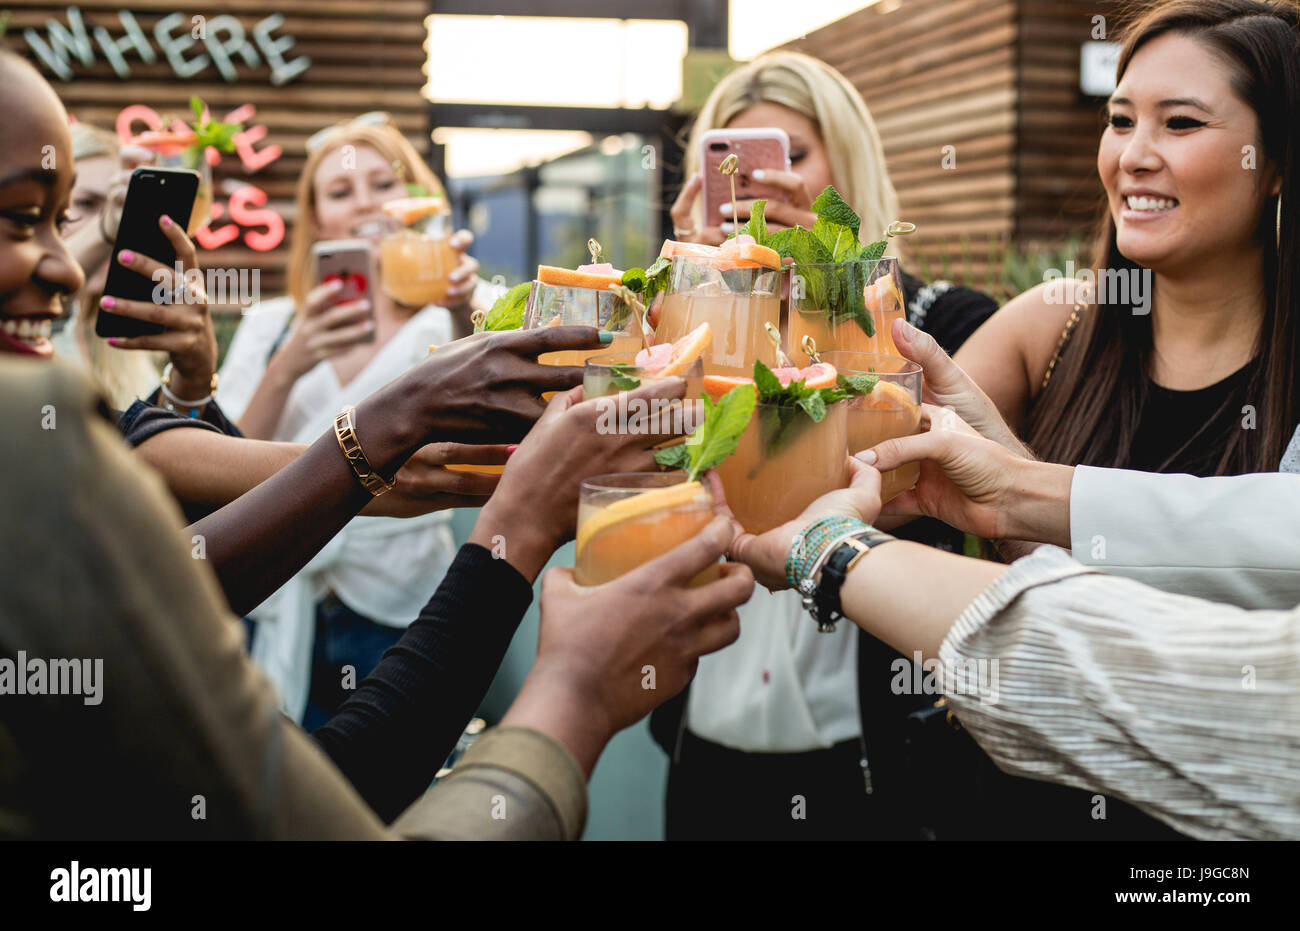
<point>821,593</point>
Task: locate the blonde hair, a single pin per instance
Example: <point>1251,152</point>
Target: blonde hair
<point>121,374</point>
<point>92,142</point>
<point>817,91</point>
<point>384,139</point>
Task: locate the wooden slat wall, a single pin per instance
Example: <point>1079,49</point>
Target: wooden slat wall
<point>364,56</point>
<point>998,81</point>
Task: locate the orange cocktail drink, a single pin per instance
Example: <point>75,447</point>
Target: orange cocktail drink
<point>415,255</point>
<point>629,519</point>
<point>736,301</point>
<point>892,409</point>
<point>784,461</point>
<point>565,305</point>
<point>612,372</point>
<point>847,306</point>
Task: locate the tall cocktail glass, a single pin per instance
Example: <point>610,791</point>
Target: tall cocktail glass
<point>564,305</point>
<point>823,305</point>
<point>783,462</point>
<point>736,302</point>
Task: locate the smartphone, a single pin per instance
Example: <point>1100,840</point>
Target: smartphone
<point>767,148</point>
<point>349,261</point>
<point>151,193</point>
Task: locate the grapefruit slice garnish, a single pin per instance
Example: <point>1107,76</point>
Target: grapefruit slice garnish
<point>672,248</point>
<point>653,358</point>
<point>166,141</point>
<point>715,386</point>
<point>681,352</point>
<point>407,210</point>
<point>882,295</point>
<point>887,395</point>
<point>819,375</point>
<point>567,278</point>
<point>647,502</point>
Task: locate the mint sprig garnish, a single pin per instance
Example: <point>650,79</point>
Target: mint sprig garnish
<point>622,378</point>
<point>648,282</point>
<point>833,239</point>
<point>717,437</point>
<point>210,132</point>
<point>857,383</point>
<point>507,312</point>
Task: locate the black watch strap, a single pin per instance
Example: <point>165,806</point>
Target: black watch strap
<point>828,608</point>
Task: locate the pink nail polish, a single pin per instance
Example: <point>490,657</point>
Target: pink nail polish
<point>107,303</point>
<point>166,221</point>
<point>126,255</point>
<point>112,340</point>
<point>510,450</point>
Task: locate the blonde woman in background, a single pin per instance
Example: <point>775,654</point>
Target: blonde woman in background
<point>769,741</point>
<point>800,94</point>
<point>92,222</point>
<point>294,363</point>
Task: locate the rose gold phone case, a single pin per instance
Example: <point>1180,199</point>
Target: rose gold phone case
<point>768,149</point>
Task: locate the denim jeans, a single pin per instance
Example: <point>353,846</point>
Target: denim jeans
<point>343,638</point>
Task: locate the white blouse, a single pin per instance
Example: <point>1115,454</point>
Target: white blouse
<point>1188,709</point>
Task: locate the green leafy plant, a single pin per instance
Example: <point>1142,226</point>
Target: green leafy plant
<point>717,437</point>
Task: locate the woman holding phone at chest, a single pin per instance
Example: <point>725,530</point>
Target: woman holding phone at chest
<point>295,362</point>
<point>777,714</point>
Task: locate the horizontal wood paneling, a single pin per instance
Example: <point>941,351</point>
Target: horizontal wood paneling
<point>364,56</point>
<point>997,80</point>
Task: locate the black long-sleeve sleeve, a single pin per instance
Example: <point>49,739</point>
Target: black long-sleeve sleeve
<point>398,727</point>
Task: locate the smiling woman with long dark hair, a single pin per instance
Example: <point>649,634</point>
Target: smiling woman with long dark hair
<point>1200,161</point>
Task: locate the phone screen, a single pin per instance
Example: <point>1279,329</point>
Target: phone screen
<point>151,193</point>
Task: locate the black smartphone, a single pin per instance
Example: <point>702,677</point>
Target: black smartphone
<point>151,193</point>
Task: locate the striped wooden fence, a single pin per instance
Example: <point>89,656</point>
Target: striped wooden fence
<point>364,56</point>
<point>987,138</point>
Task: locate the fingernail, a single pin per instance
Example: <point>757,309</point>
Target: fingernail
<point>107,303</point>
<point>758,174</point>
<point>166,221</point>
<point>606,337</point>
<point>126,256</point>
<point>909,332</point>
<point>113,340</point>
<point>727,227</point>
<point>868,456</point>
<point>510,450</point>
<point>725,210</point>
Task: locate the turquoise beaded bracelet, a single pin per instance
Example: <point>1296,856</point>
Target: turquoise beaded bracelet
<point>809,543</point>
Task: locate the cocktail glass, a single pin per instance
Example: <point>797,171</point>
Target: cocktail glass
<point>629,519</point>
<point>416,258</point>
<point>823,306</point>
<point>783,462</point>
<point>564,305</point>
<point>612,372</point>
<point>892,409</point>
<point>737,303</point>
